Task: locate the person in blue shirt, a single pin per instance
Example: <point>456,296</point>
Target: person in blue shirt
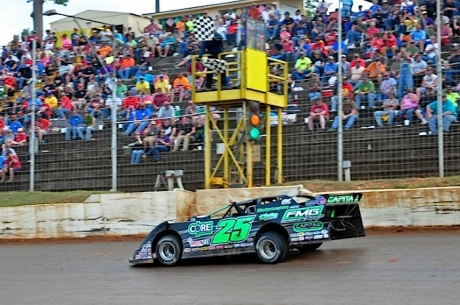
<point>141,120</point>
<point>14,124</point>
<point>347,5</point>
<point>449,115</point>
<point>75,127</point>
<point>149,78</point>
<point>299,31</point>
<point>330,69</point>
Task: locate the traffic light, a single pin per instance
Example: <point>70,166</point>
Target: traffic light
<point>255,121</point>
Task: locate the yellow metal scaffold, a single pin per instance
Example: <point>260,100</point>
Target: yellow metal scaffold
<point>251,71</point>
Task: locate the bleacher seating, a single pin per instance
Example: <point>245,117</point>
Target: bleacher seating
<point>391,152</point>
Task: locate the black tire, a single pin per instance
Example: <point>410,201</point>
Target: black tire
<point>272,248</point>
<point>168,250</point>
<point>310,247</point>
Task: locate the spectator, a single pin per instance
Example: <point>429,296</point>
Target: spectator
<point>185,135</point>
<point>141,120</point>
<point>302,67</point>
<point>75,127</point>
<point>347,92</point>
<point>142,87</point>
<point>410,105</point>
<point>319,113</point>
<point>366,90</point>
<point>20,138</point>
<point>162,144</point>
<point>350,115</point>
<point>388,113</point>
<point>429,83</point>
<point>12,165</point>
<point>65,106</point>
<point>166,111</point>
<point>14,124</point>
<point>181,86</point>
<point>89,124</point>
<point>42,128</point>
<point>449,115</point>
<point>330,69</point>
<point>80,97</point>
<point>387,86</point>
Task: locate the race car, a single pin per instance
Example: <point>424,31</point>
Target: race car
<point>269,226</point>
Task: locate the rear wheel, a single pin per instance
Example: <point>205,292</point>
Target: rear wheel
<point>272,248</point>
<point>168,250</point>
<point>309,247</point>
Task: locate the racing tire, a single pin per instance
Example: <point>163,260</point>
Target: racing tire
<point>309,247</point>
<point>168,250</point>
<point>272,248</point>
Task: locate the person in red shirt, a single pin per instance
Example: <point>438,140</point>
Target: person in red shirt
<point>357,59</point>
<point>347,92</point>
<point>130,100</point>
<point>12,165</point>
<point>42,127</point>
<point>20,138</point>
<point>319,113</point>
<point>9,82</point>
<point>390,43</point>
<point>372,30</point>
<point>65,106</point>
<point>159,99</point>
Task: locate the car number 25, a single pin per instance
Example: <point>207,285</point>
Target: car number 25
<point>233,230</point>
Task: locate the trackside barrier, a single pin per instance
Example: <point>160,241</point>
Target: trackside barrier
<point>136,213</point>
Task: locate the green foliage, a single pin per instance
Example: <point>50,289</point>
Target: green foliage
<point>310,7</point>
<point>60,2</point>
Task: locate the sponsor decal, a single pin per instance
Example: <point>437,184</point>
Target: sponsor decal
<point>268,216</point>
<point>198,243</point>
<point>324,231</point>
<point>304,214</point>
<point>326,235</point>
<point>342,199</point>
<point>137,257</point>
<point>319,236</point>
<point>204,248</point>
<point>199,228</point>
<point>293,235</point>
<point>272,209</point>
<point>195,249</point>
<point>295,239</point>
<point>285,201</point>
<point>212,247</point>
<point>301,238</point>
<point>307,226</point>
<point>186,250</point>
<point>250,239</point>
<point>238,245</point>
<point>219,247</point>
<point>228,246</point>
<point>320,200</point>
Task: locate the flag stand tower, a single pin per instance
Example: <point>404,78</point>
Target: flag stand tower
<point>231,164</point>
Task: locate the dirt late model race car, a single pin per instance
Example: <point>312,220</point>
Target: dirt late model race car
<point>269,226</point>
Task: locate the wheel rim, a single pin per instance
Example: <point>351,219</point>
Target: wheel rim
<point>268,249</point>
<point>167,251</point>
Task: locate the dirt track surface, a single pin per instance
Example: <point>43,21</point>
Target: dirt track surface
<point>383,268</point>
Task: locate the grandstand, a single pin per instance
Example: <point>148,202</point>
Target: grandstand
<point>395,151</point>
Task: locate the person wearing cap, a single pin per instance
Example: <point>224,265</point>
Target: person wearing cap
<point>288,22</point>
<point>142,87</point>
<point>449,115</point>
<point>186,134</point>
<point>181,85</point>
<point>302,67</point>
<point>387,86</point>
<point>163,85</point>
<point>167,111</point>
<point>75,127</point>
<point>141,120</point>
<point>347,92</point>
<point>330,69</point>
<point>419,37</point>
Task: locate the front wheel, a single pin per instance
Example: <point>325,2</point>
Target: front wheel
<point>310,247</point>
<point>271,248</point>
<point>168,250</point>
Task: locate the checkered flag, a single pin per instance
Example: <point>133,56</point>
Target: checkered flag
<point>203,28</point>
<point>219,66</point>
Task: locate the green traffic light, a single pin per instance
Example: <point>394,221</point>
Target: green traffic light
<point>254,134</point>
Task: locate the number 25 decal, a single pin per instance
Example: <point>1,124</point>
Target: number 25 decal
<point>233,230</point>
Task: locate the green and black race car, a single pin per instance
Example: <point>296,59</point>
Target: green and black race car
<point>269,226</point>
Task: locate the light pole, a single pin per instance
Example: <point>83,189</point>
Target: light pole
<point>114,88</point>
<point>33,144</point>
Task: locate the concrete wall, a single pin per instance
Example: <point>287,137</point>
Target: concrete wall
<point>138,213</point>
<point>100,215</point>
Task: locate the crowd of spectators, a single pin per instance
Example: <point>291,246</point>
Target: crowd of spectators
<point>388,55</point>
